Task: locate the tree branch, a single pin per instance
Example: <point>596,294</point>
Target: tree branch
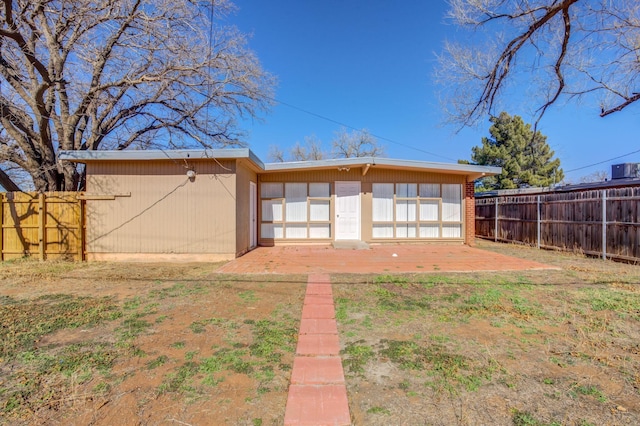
<point>7,183</point>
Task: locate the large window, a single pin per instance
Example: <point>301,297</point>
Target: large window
<point>295,210</point>
<point>411,210</point>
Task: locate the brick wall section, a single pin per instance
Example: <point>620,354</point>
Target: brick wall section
<point>470,213</point>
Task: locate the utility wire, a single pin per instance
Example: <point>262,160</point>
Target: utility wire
<point>602,162</point>
<point>331,120</point>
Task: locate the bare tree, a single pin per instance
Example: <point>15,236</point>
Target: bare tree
<point>345,145</point>
<point>597,176</point>
<point>355,144</point>
<point>562,48</point>
<point>86,75</point>
<point>310,150</point>
<point>275,154</point>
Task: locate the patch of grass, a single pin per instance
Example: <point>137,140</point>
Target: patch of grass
<point>27,321</point>
<point>378,410</point>
<point>181,379</point>
<point>589,390</point>
<point>391,279</point>
<point>524,418</point>
<point>179,290</point>
<point>341,308</point>
<point>489,300</point>
<point>611,299</point>
<point>525,307</point>
<point>178,345</point>
<point>199,327</point>
<point>248,296</point>
<point>132,304</point>
<point>227,359</point>
<point>46,378</point>
<point>391,301</point>
<point>161,360</point>
<point>448,368</point>
<point>272,339</point>
<point>131,328</point>
<point>357,356</point>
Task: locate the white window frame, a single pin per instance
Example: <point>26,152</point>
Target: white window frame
<point>414,225</point>
<point>284,227</point>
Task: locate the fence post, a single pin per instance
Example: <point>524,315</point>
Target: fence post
<point>538,221</point>
<point>495,230</point>
<point>604,224</point>
<point>41,226</point>
<point>80,229</point>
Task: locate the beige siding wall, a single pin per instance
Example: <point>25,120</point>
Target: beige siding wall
<point>157,210</point>
<point>244,175</point>
<point>373,175</point>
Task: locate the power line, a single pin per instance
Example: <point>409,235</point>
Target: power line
<point>602,162</point>
<point>331,120</point>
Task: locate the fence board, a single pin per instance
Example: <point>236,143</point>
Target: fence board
<point>48,225</point>
<point>568,221</point>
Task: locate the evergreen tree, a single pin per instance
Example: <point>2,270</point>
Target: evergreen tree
<point>526,159</point>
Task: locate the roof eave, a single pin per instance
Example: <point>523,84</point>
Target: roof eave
<point>159,155</point>
<point>471,171</point>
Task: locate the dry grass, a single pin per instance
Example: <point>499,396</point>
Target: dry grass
<point>533,348</point>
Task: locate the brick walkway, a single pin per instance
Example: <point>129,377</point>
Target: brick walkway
<point>317,393</point>
<point>377,260</point>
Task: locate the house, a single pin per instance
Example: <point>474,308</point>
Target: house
<point>218,204</point>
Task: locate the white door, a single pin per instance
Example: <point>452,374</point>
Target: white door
<point>253,214</point>
<point>347,210</point>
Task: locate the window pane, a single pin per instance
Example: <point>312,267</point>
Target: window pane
<point>271,190</point>
<point>382,231</point>
<point>406,210</point>
<point>451,203</point>
<point>429,210</point>
<point>271,230</point>
<point>406,190</point>
<point>320,230</point>
<point>319,190</point>
<point>383,202</point>
<point>319,210</point>
<point>271,210</point>
<point>296,202</point>
<point>405,230</point>
<point>451,231</point>
<point>429,231</point>
<point>296,231</point>
<point>430,190</point>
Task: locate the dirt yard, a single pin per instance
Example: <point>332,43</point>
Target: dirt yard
<point>529,348</point>
<point>145,344</point>
<point>132,344</point>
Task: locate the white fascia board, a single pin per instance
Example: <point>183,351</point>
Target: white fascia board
<point>158,154</point>
<point>466,169</point>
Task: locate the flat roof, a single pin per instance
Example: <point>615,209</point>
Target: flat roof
<point>159,154</point>
<point>473,171</point>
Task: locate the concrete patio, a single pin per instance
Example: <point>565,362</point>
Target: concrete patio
<point>378,259</point>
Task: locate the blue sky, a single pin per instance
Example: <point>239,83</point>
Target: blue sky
<point>370,64</point>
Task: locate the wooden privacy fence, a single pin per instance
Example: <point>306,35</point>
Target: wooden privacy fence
<point>48,225</point>
<point>603,222</point>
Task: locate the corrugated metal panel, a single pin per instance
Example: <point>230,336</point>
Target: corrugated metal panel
<point>166,212</point>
